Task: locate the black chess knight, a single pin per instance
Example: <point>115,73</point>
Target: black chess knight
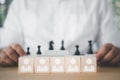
<point>51,45</point>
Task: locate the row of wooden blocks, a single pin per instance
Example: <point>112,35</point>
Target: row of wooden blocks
<point>57,64</point>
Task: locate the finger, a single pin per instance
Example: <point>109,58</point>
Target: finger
<point>110,55</point>
<point>6,59</point>
<point>116,60</point>
<point>18,49</point>
<point>1,60</point>
<point>11,54</point>
<point>103,51</point>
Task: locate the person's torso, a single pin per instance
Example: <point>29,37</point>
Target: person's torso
<point>74,21</point>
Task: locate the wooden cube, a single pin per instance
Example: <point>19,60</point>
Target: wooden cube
<point>25,64</point>
<point>42,64</point>
<point>88,63</point>
<point>72,64</point>
<point>57,64</point>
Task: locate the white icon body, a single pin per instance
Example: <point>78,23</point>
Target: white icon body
<point>26,67</point>
<point>57,66</point>
<point>73,67</point>
<point>42,67</point>
<point>89,67</point>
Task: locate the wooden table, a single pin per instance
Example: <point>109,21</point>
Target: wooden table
<point>104,73</point>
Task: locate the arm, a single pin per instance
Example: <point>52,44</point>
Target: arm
<point>108,40</point>
<point>12,37</point>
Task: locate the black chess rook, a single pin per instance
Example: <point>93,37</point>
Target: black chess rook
<point>90,51</point>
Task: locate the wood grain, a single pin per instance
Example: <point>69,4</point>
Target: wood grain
<point>104,73</point>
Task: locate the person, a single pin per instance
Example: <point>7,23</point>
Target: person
<point>36,22</point>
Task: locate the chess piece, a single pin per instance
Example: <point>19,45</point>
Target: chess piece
<point>39,51</point>
<point>28,51</point>
<point>77,52</point>
<point>62,47</point>
<point>90,51</point>
<point>51,45</point>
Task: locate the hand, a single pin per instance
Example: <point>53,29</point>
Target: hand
<point>9,55</point>
<point>108,55</point>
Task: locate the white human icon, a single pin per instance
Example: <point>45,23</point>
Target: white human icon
<point>26,61</point>
<point>73,61</point>
<point>57,66</point>
<point>89,67</point>
<point>26,67</point>
<point>42,61</point>
<point>42,67</point>
<point>72,66</point>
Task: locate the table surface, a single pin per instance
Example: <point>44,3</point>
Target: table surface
<point>103,73</point>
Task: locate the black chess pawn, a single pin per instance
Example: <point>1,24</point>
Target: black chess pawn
<point>39,51</point>
<point>62,47</point>
<point>77,52</point>
<point>90,51</point>
<point>51,45</point>
<point>28,51</point>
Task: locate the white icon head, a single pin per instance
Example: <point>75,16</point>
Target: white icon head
<point>72,61</point>
<point>26,61</point>
<point>89,61</point>
<point>57,61</point>
<point>42,61</point>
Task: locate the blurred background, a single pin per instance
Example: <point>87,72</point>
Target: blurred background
<point>4,7</point>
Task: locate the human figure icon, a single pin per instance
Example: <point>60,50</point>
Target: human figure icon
<point>57,67</point>
<point>26,66</point>
<point>89,67</point>
<point>42,66</point>
<point>73,66</point>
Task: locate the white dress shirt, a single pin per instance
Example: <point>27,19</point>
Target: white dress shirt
<point>36,22</point>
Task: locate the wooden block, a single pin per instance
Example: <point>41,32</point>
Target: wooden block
<point>72,64</point>
<point>57,64</point>
<point>25,64</point>
<point>42,64</point>
<point>88,63</point>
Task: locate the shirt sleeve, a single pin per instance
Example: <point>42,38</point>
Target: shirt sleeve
<point>12,31</point>
<point>108,30</point>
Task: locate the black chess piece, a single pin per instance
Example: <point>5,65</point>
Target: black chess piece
<point>28,51</point>
<point>90,51</point>
<point>39,51</point>
<point>51,45</point>
<point>77,52</point>
<point>62,47</point>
